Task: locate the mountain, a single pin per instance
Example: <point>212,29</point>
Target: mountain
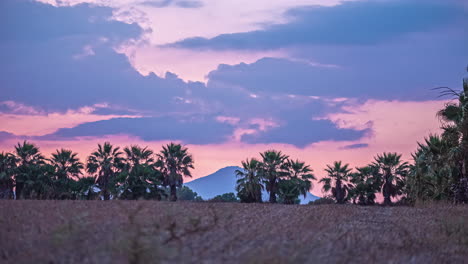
<point>224,181</point>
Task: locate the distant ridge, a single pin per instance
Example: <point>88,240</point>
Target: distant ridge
<point>224,181</point>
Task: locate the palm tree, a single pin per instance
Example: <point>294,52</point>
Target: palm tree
<point>175,163</point>
<point>366,183</point>
<point>66,167</point>
<point>455,116</point>
<point>249,184</point>
<point>29,170</point>
<point>106,162</point>
<point>393,172</point>
<point>434,169</point>
<point>140,178</point>
<point>7,167</point>
<point>272,169</point>
<point>297,181</point>
<point>137,155</point>
<point>338,175</point>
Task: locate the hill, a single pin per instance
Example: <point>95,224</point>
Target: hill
<point>224,181</point>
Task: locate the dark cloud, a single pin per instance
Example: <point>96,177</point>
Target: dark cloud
<point>191,129</point>
<point>352,23</point>
<point>403,70</point>
<point>51,77</point>
<point>356,146</point>
<point>24,20</point>
<point>6,136</point>
<point>302,132</point>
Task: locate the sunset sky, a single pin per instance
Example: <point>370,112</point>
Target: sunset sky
<point>321,80</point>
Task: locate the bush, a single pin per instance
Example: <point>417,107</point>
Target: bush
<point>225,198</point>
<point>323,200</point>
<point>184,193</point>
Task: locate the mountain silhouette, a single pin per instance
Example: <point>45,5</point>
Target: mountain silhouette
<point>224,181</point>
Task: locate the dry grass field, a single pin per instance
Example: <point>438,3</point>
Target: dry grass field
<point>163,232</point>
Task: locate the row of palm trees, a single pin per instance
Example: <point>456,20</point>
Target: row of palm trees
<point>133,173</point>
<point>140,173</point>
<point>386,174</point>
<point>287,179</point>
<point>277,174</point>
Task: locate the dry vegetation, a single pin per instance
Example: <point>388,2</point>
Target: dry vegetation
<point>163,232</point>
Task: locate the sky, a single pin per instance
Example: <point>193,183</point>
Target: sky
<point>321,80</point>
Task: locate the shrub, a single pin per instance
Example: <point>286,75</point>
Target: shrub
<point>225,198</point>
<point>323,200</point>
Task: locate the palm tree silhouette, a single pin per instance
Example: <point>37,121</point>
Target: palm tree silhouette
<point>106,162</point>
<point>175,163</point>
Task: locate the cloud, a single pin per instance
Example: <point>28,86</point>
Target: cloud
<point>179,3</point>
<point>401,70</point>
<point>351,23</point>
<point>396,126</point>
<point>5,136</point>
<point>34,123</point>
<point>289,123</point>
<point>12,107</point>
<point>33,22</point>
<point>190,130</point>
<point>356,146</point>
<point>60,58</point>
<point>190,65</point>
<point>302,132</point>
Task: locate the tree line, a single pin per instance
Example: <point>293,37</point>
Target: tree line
<point>287,179</point>
<point>134,173</point>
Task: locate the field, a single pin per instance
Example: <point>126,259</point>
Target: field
<point>183,232</point>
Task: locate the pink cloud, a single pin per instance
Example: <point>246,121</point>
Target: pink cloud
<point>189,65</point>
<point>228,119</point>
<point>28,121</point>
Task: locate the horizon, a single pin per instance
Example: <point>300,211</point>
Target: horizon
<point>319,80</point>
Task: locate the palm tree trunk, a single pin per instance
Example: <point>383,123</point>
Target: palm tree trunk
<point>464,149</point>
<point>339,193</point>
<point>272,197</point>
<point>19,191</point>
<point>105,191</point>
<point>387,201</point>
<point>465,167</point>
<point>272,191</point>
<point>88,195</point>
<point>106,194</point>
<point>386,193</point>
<point>173,193</point>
